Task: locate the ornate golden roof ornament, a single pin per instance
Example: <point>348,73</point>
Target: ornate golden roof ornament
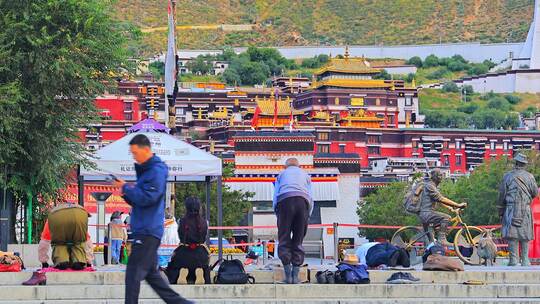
<point>346,55</point>
<point>236,102</point>
<point>413,83</point>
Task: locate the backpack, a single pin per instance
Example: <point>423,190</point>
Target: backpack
<point>10,262</point>
<point>351,274</point>
<point>231,271</point>
<point>411,203</point>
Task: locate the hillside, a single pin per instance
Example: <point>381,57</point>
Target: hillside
<point>328,22</point>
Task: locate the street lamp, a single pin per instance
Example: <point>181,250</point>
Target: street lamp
<point>101,197</point>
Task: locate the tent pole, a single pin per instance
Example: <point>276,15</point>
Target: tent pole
<point>207,210</point>
<point>80,186</point>
<point>220,218</point>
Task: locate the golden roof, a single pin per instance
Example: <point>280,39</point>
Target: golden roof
<point>354,83</point>
<point>267,105</point>
<point>348,65</point>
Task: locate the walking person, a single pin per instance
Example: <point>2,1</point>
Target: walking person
<point>147,199</point>
<point>118,236</point>
<point>293,204</point>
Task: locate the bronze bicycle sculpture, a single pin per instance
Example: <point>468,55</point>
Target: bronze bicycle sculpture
<point>465,242</point>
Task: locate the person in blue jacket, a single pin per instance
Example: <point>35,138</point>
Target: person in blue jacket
<point>147,200</point>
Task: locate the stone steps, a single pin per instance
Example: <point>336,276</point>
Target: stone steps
<point>302,301</point>
<point>276,292</point>
<point>509,275</point>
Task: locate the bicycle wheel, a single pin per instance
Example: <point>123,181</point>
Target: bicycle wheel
<point>412,239</point>
<point>466,247</point>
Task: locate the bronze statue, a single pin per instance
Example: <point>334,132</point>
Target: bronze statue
<point>429,199</point>
<point>516,192</point>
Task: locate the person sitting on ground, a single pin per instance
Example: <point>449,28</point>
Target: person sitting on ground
<point>375,254</point>
<point>429,200</point>
<point>118,236</point>
<point>68,226</point>
<point>190,261</point>
<point>44,247</point>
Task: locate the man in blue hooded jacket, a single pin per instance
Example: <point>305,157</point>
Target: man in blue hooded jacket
<point>147,200</point>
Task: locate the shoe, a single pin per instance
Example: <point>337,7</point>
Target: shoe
<point>330,277</point>
<point>38,278</point>
<point>182,276</point>
<point>294,275</point>
<point>288,274</point>
<point>401,278</point>
<point>513,248</point>
<point>321,277</point>
<point>44,265</point>
<point>524,253</point>
<point>199,276</point>
<point>410,277</point>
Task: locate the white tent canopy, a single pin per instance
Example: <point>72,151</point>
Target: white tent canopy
<point>186,162</point>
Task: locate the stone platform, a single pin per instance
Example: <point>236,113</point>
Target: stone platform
<point>503,285</point>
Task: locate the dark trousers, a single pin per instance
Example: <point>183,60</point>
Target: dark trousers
<point>142,265</point>
<point>380,254</point>
<point>292,220</point>
<point>185,257</point>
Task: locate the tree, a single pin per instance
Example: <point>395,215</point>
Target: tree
<point>450,87</point>
<point>478,69</point>
<point>467,89</point>
<point>438,73</point>
<point>499,103</point>
<point>529,112</point>
<point>55,58</point>
<point>431,61</point>
<point>513,99</point>
<point>416,61</point>
<point>157,68</point>
<point>236,204</point>
<point>480,189</point>
<point>200,65</point>
<point>383,75</point>
<point>384,207</point>
<point>468,108</point>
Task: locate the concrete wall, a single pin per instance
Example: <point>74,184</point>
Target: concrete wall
<point>527,83</point>
<point>345,213</point>
<point>473,51</point>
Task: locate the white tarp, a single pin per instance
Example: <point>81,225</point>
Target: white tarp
<point>264,191</point>
<point>182,158</point>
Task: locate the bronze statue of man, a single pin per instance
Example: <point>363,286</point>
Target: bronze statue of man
<point>430,197</point>
<point>516,192</point>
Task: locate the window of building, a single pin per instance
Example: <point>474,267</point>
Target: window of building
<point>458,160</point>
<point>408,101</point>
<point>323,136</point>
<point>415,144</point>
<point>323,148</point>
<point>492,146</point>
<point>374,139</point>
<point>128,116</point>
<point>374,150</point>
<point>127,106</point>
<point>445,145</point>
<point>505,146</point>
<point>179,111</point>
<point>458,144</point>
<point>341,148</point>
<point>447,160</point>
<point>391,119</point>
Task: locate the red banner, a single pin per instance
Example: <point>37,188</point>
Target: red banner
<point>114,203</point>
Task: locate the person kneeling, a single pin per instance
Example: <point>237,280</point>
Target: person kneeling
<point>189,262</point>
<point>375,254</point>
